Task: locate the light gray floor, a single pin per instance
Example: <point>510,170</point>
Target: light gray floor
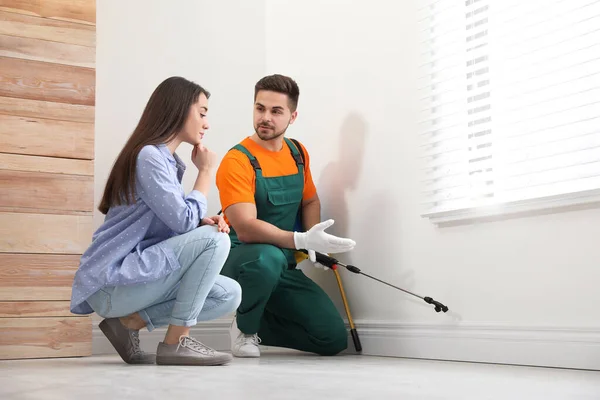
<point>291,376</point>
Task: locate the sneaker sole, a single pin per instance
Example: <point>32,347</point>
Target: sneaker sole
<point>246,355</point>
<point>191,361</point>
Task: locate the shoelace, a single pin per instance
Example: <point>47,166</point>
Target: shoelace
<point>249,339</point>
<point>135,341</point>
<point>195,345</point>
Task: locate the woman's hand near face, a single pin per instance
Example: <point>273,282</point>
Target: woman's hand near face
<point>203,158</point>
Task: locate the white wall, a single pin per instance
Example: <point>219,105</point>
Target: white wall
<point>514,286</point>
<point>520,290</point>
<point>218,44</point>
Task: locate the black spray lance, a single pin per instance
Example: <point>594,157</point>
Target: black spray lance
<point>329,261</point>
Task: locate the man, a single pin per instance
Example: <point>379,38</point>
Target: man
<point>271,203</point>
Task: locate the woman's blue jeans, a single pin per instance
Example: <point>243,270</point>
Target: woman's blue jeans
<point>195,292</point>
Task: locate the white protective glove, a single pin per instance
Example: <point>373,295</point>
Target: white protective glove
<point>317,240</point>
<point>312,256</point>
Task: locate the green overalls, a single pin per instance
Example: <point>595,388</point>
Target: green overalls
<point>280,303</point>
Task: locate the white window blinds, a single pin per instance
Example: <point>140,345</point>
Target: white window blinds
<point>511,93</point>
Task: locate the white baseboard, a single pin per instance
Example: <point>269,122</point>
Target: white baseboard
<point>562,347</point>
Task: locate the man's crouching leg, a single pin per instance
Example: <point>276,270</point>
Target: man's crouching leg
<point>300,315</point>
<point>258,269</point>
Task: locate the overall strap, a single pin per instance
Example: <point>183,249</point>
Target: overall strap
<point>253,161</point>
<point>298,225</point>
<point>299,149</point>
<point>297,152</point>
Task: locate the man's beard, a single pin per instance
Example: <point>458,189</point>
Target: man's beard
<point>271,134</point>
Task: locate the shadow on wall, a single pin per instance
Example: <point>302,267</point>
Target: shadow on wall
<point>337,182</point>
<point>372,231</point>
<point>339,177</point>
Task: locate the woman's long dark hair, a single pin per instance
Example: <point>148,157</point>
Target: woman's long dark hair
<point>162,119</point>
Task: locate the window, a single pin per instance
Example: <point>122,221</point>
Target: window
<point>511,113</point>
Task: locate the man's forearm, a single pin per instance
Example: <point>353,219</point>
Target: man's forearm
<point>253,230</point>
<point>257,231</point>
<point>311,213</point>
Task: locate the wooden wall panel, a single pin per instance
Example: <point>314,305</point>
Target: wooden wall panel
<point>46,137</point>
<point>46,110</point>
<point>18,162</point>
<point>37,276</point>
<point>44,233</point>
<point>47,105</point>
<point>45,337</point>
<point>26,26</point>
<point>36,80</point>
<point>59,192</point>
<point>52,52</point>
<point>80,11</point>
<point>24,309</point>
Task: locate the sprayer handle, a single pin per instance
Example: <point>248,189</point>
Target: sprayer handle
<point>324,259</point>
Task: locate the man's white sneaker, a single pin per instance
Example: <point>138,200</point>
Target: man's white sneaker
<point>243,345</point>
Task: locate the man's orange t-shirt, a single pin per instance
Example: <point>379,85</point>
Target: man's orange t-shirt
<point>236,177</point>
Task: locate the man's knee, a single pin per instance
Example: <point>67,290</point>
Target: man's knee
<point>334,340</point>
<point>329,335</point>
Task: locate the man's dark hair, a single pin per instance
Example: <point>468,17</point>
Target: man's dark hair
<point>280,84</point>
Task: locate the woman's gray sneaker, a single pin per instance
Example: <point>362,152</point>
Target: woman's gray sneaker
<point>190,351</point>
<point>125,341</point>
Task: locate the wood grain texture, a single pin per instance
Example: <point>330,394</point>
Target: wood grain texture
<point>22,210</point>
<point>17,162</point>
<point>46,29</point>
<point>47,99</point>
<point>45,337</point>
<point>36,80</point>
<point>44,233</point>
<point>37,276</point>
<point>46,137</point>
<point>59,192</point>
<point>51,52</point>
<point>24,309</point>
<point>80,11</point>
<point>35,293</point>
<point>46,110</point>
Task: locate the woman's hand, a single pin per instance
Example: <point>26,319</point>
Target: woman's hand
<point>216,220</point>
<point>203,158</point>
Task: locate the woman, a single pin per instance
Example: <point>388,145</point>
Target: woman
<point>156,259</point>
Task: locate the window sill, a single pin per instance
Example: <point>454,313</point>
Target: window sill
<point>544,204</point>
